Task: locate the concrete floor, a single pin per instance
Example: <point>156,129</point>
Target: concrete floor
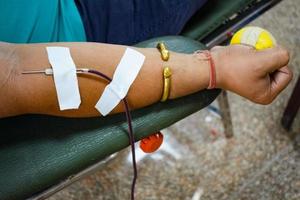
<point>261,161</point>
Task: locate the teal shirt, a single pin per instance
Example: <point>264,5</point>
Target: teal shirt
<point>30,21</point>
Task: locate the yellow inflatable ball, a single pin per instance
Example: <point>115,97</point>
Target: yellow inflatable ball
<point>254,36</point>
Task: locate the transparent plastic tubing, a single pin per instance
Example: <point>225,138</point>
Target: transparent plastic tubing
<point>130,130</point>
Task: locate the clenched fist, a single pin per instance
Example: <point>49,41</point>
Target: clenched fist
<point>256,75</point>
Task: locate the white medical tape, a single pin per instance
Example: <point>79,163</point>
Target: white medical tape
<point>65,78</point>
<point>125,73</point>
<point>250,36</point>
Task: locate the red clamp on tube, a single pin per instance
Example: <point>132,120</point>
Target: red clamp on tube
<point>152,143</point>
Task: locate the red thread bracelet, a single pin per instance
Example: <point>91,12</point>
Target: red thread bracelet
<point>212,75</point>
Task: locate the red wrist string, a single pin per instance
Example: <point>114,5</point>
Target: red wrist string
<point>212,74</point>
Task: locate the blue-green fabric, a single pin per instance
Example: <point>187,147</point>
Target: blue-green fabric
<point>30,21</point>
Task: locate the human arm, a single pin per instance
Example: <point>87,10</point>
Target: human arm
<point>36,93</point>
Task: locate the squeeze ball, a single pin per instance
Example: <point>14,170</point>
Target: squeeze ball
<point>254,36</point>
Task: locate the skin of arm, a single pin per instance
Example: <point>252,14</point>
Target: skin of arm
<point>10,103</point>
<point>35,93</point>
<point>256,75</point>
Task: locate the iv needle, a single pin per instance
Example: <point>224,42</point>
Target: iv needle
<point>36,71</point>
<point>49,71</point>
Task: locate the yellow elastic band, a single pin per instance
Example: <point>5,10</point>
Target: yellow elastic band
<point>167,73</point>
<point>165,54</point>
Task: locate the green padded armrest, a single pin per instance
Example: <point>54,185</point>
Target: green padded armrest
<point>37,152</point>
<point>211,16</point>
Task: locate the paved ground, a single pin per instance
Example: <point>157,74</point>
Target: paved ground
<point>262,161</point>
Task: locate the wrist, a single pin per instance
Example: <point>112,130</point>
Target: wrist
<point>201,67</point>
<point>219,74</point>
<point>189,74</point>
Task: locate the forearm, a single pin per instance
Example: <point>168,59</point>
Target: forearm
<point>37,92</point>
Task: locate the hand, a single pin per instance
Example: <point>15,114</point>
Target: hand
<point>256,75</point>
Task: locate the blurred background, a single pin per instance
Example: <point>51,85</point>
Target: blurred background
<point>197,162</point>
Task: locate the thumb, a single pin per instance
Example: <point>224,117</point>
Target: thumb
<point>279,80</point>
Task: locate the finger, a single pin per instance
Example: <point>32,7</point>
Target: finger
<point>273,58</point>
<point>216,48</point>
<point>279,80</point>
<point>244,45</point>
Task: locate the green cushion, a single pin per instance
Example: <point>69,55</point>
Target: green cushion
<point>211,16</point>
<point>37,152</point>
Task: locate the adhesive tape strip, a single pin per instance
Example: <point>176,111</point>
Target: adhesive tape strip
<point>126,72</point>
<point>65,78</point>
